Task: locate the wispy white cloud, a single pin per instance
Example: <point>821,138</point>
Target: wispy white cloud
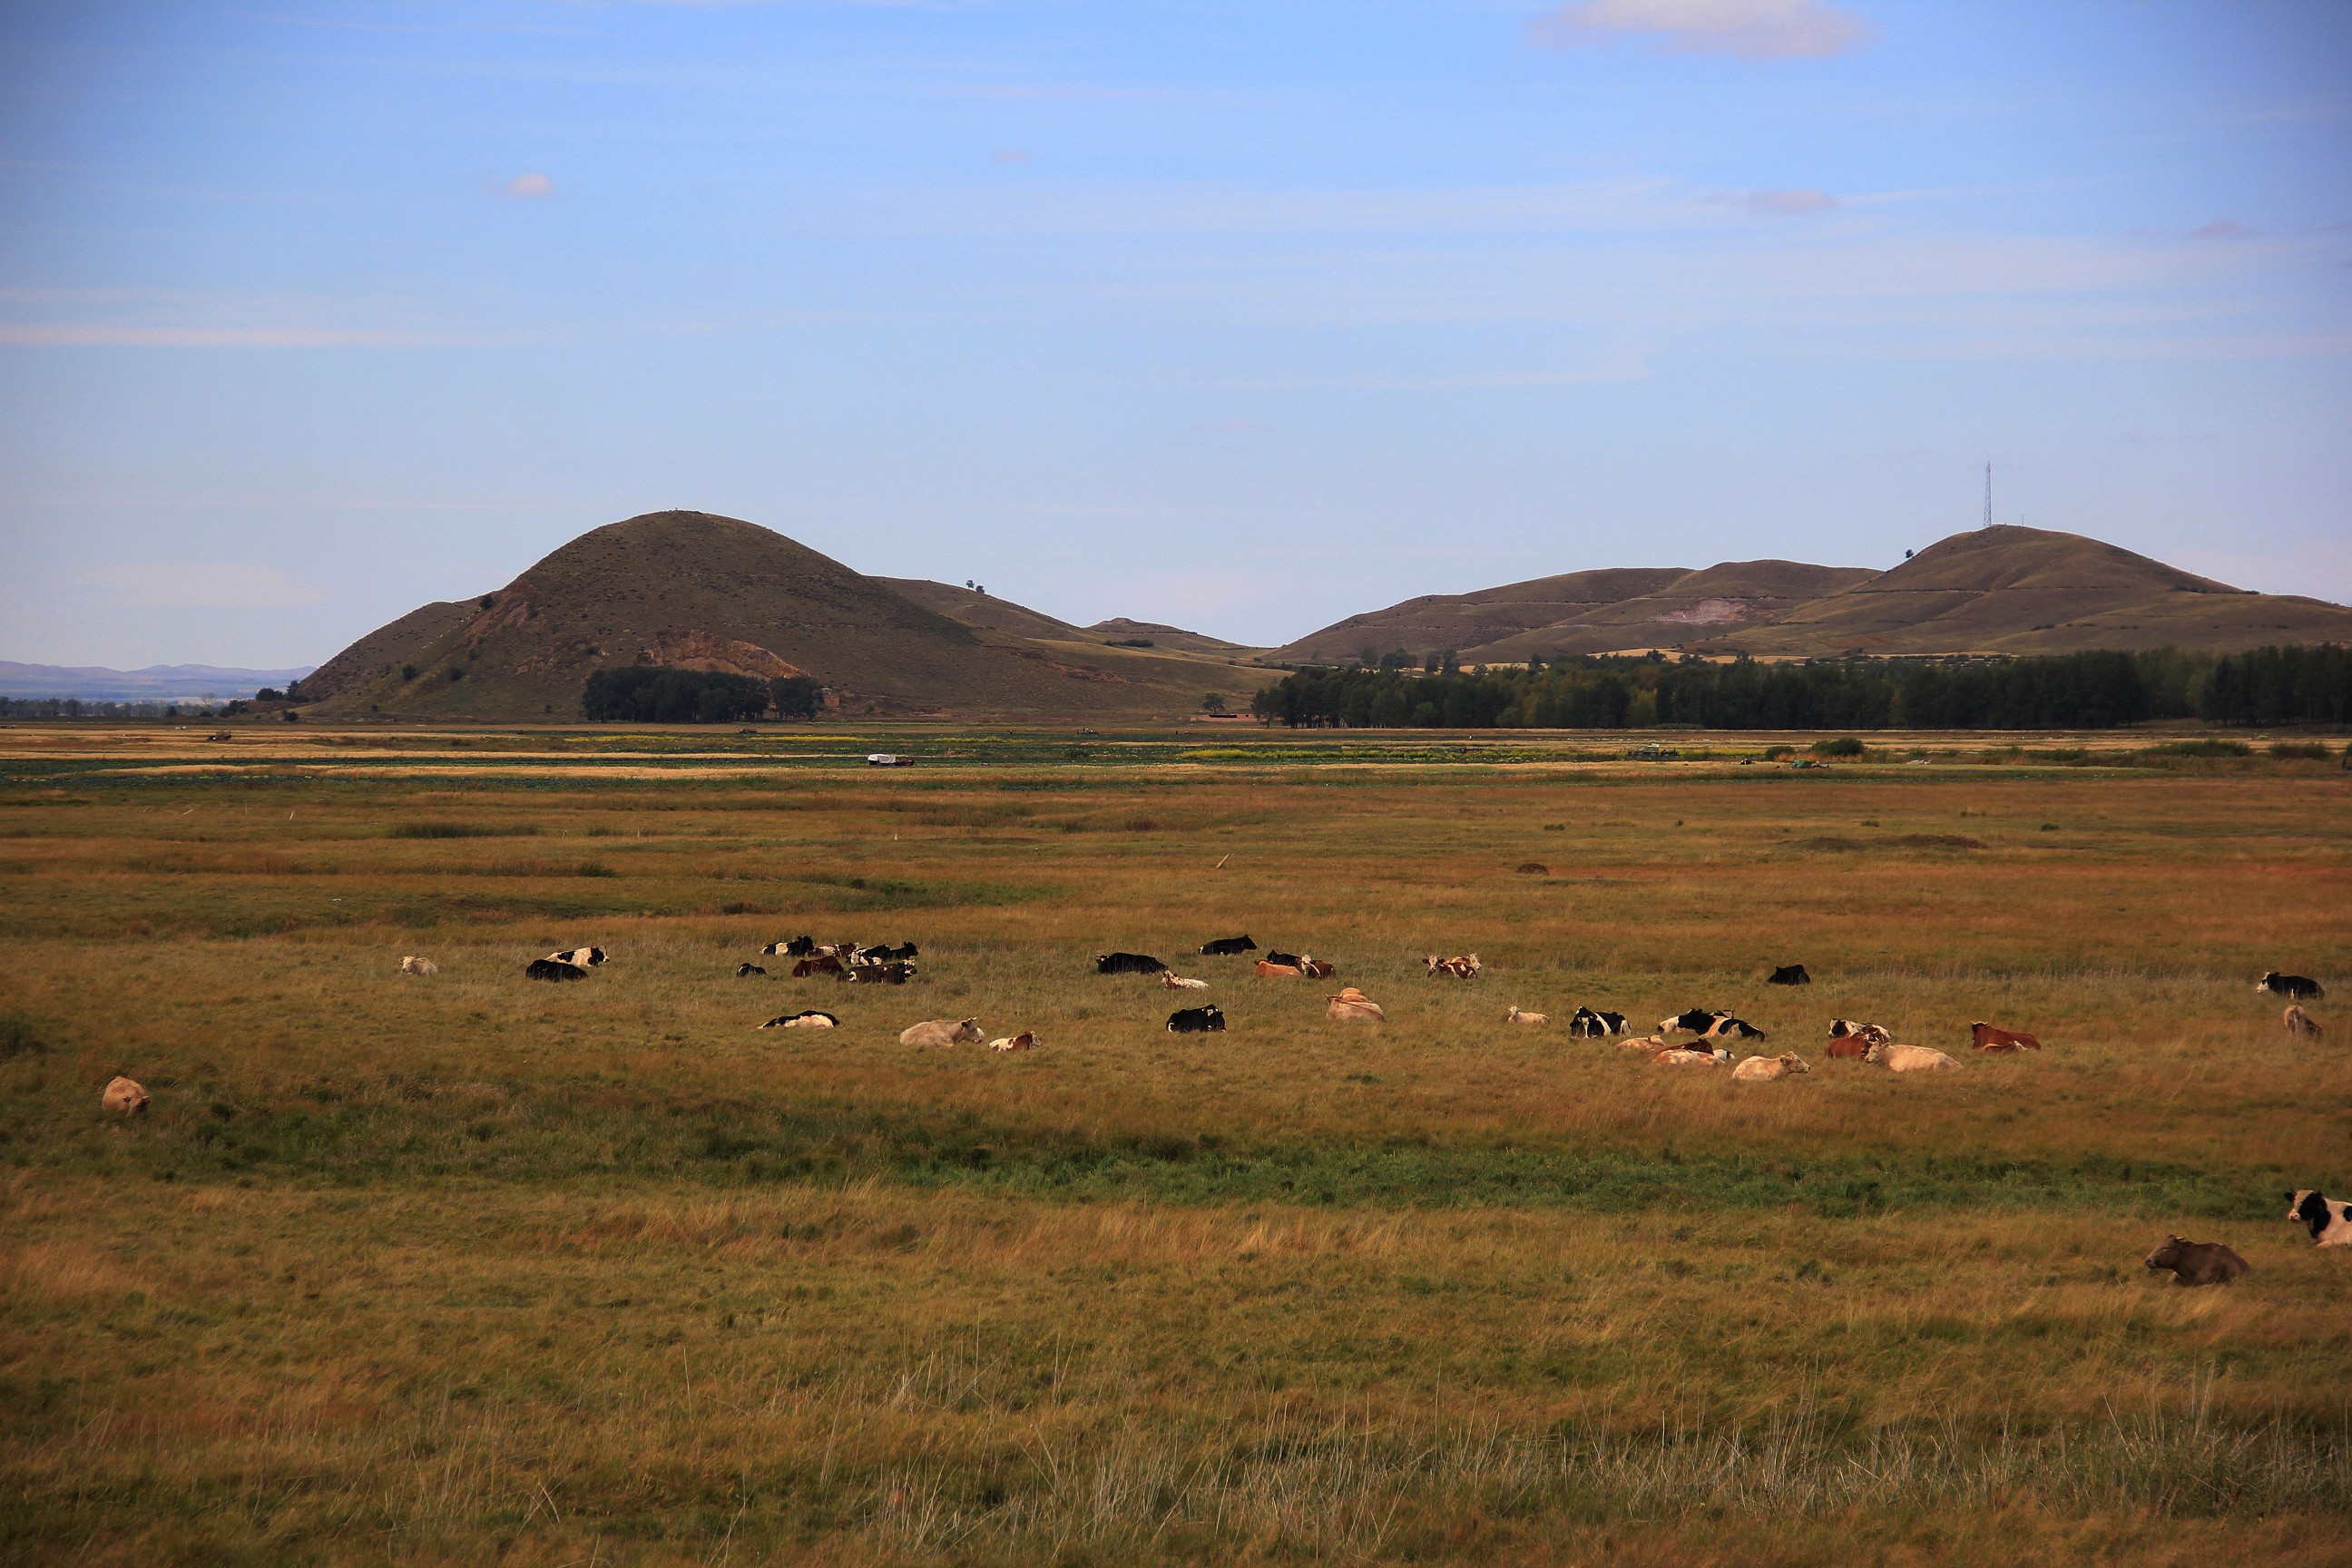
<point>531,187</point>
<point>1750,29</point>
<point>106,334</point>
<point>1801,203</point>
<point>200,585</point>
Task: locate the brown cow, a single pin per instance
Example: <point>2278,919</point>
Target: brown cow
<point>2299,1022</point>
<point>1266,971</point>
<point>822,964</point>
<point>2001,1042</point>
<point>1464,967</point>
<point>1855,1028</point>
<point>1026,1040</point>
<point>125,1097</point>
<point>2197,1262</point>
<point>1854,1048</point>
<point>1315,968</point>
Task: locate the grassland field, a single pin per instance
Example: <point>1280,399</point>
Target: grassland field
<point>468,1268</point>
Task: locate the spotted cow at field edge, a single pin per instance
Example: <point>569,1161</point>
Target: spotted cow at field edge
<point>811,1019</point>
<point>2329,1221</point>
<point>2294,987</point>
<point>1128,963</point>
<point>2000,1042</point>
<point>1788,975</point>
<point>1228,946</point>
<point>2197,1262</point>
<point>1209,1020</point>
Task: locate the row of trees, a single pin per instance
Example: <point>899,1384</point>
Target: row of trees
<point>661,694</point>
<point>2065,691</point>
<point>84,707</point>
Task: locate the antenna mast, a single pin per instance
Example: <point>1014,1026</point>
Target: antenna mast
<point>1987,522</point>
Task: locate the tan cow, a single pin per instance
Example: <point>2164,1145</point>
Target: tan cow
<point>1769,1070</point>
<point>1026,1040</point>
<point>419,966</point>
<point>125,1097</point>
<point>1175,981</point>
<point>939,1032</point>
<point>1518,1014</point>
<point>1353,1003</point>
<point>1266,971</point>
<point>1911,1058</point>
<point>2299,1022</point>
<point>1686,1056</point>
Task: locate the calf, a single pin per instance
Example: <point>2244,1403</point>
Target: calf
<point>1175,981</point>
<point>1352,1004</point>
<point>1518,1014</point>
<point>1769,1070</point>
<point>125,1097</point>
<point>1206,1020</point>
<point>426,966</point>
<point>1128,963</point>
<point>2197,1262</point>
<point>811,1019</point>
<point>1464,966</point>
<point>1589,1024</point>
<point>1315,968</point>
<point>2294,987</point>
<point>745,971</point>
<point>1227,946</point>
<point>2299,1022</point>
<point>1267,969</point>
<point>939,1032</point>
<point>580,957</point>
<point>1788,975</point>
<point>1026,1040</point>
<point>2001,1042</point>
<point>1851,1028</point>
<point>818,963</point>
<point>1910,1059</point>
<point>2329,1221</point>
<point>553,969</point>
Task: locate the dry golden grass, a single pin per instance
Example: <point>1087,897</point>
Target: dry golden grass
<point>464,1266</point>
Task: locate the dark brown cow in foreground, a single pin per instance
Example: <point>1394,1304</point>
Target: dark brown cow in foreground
<point>2197,1262</point>
<point>2001,1042</point>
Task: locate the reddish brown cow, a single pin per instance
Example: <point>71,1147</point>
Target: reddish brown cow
<point>2001,1042</point>
<point>822,964</point>
<point>1851,1048</point>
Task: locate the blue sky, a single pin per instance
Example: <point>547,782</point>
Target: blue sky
<point>1244,316</point>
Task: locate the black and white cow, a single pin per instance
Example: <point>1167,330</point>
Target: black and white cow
<point>1126,963</point>
<point>578,957</point>
<point>1226,946</point>
<point>1727,1027</point>
<point>745,971</point>
<point>877,974</point>
<point>799,947</point>
<point>2328,1220</point>
<point>811,1019</point>
<point>1207,1020</point>
<point>553,969</point>
<point>1696,1021</point>
<point>2294,987</point>
<point>1788,975</point>
<point>1589,1024</point>
<point>1292,959</point>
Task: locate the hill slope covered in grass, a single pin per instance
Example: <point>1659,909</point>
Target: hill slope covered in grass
<point>699,592</point>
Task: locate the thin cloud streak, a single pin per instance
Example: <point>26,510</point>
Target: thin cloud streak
<point>1750,29</point>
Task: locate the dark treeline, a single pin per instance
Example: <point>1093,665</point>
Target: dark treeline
<point>660,694</point>
<point>2061,691</point>
<point>84,708</point>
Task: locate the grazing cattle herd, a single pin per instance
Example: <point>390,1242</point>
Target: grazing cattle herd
<point>2328,1221</point>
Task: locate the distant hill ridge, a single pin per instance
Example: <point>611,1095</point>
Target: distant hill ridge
<point>155,683</point>
<point>1997,590</point>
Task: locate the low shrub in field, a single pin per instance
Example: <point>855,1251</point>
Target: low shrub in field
<point>2299,751</point>
<point>2207,747</point>
<point>1843,746</point>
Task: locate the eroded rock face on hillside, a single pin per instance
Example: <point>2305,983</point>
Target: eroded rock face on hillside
<point>724,656</point>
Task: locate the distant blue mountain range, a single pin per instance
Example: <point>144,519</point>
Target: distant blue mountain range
<point>156,683</point>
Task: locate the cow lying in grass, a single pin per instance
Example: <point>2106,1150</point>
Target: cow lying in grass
<point>1352,1005</point>
<point>1518,1014</point>
<point>2197,1262</point>
<point>578,957</point>
<point>1464,967</point>
<point>940,1032</point>
<point>124,1097</point>
<point>1209,1020</point>
<point>1768,1070</point>
<point>1589,1024</point>
<point>2329,1221</point>
<point>553,969</point>
<point>1175,981</point>
<point>811,1019</point>
<point>1910,1059</point>
<point>419,966</point>
<point>2299,1022</point>
<point>1026,1040</point>
<point>2001,1042</point>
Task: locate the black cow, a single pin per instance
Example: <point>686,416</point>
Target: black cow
<point>553,969</point>
<point>1226,946</point>
<point>1126,963</point>
<point>2294,987</point>
<point>1698,1021</point>
<point>904,950</point>
<point>2197,1262</point>
<point>1206,1020</point>
<point>743,971</point>
<point>1291,959</point>
<point>1591,1024</point>
<point>879,974</point>
<point>1789,974</point>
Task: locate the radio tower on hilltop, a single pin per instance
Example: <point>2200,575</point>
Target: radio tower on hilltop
<point>1987,522</point>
